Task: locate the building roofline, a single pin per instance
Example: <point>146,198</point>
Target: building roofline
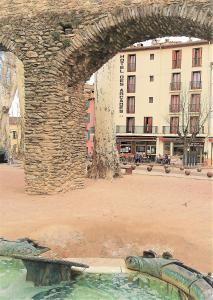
<point>166,46</point>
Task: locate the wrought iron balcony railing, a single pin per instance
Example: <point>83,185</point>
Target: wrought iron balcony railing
<point>196,62</point>
<point>194,107</point>
<point>194,85</point>
<point>174,108</point>
<point>176,63</point>
<point>175,86</point>
<point>137,129</point>
<point>175,129</point>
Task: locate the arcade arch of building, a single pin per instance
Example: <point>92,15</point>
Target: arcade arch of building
<point>60,47</point>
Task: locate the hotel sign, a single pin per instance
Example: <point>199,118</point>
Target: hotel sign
<point>121,93</point>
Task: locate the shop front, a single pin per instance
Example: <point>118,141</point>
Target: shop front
<point>174,147</point>
<point>146,146</point>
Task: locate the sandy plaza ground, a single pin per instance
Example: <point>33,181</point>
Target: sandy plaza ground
<point>114,219</point>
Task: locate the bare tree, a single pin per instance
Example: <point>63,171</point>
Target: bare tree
<point>105,162</point>
<point>193,117</point>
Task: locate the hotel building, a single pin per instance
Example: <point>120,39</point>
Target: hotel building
<point>146,85</point>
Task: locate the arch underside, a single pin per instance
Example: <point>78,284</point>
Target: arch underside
<point>55,73</point>
<point>96,44</point>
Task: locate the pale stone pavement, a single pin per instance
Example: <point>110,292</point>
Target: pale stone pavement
<point>114,219</point>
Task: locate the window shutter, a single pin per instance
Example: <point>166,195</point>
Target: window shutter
<point>173,55</point>
<point>180,58</point>
<point>193,52</point>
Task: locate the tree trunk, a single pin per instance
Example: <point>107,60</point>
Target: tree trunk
<point>185,152</point>
<point>105,156</point>
<point>7,92</point>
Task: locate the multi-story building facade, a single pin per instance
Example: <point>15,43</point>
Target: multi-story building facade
<point>90,103</point>
<point>15,134</point>
<point>148,84</point>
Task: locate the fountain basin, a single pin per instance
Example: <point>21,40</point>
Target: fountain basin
<point>105,279</point>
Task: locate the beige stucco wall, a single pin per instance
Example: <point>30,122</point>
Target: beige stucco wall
<point>161,69</point>
<point>15,142</point>
<point>108,82</point>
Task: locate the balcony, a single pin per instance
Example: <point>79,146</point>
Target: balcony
<point>196,62</point>
<point>174,108</point>
<point>131,67</point>
<point>194,107</point>
<point>176,63</point>
<point>195,85</point>
<point>170,129</point>
<point>137,129</point>
<point>175,129</point>
<point>175,86</point>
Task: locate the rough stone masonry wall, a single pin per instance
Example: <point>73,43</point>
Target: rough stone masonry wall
<point>57,64</point>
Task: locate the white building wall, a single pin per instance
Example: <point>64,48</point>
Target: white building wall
<point>108,81</point>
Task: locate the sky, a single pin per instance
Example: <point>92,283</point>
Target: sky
<point>14,110</point>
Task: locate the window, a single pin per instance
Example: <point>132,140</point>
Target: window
<point>196,57</point>
<point>131,67</point>
<point>194,124</point>
<point>152,56</point>
<point>175,103</point>
<point>14,134</point>
<point>176,82</point>
<point>196,80</point>
<point>130,125</point>
<point>125,147</point>
<point>130,105</point>
<point>174,124</point>
<point>131,80</point>
<point>88,135</point>
<point>176,59</point>
<point>151,78</point>
<point>87,104</point>
<point>147,124</point>
<point>87,118</point>
<point>195,103</point>
<point>151,99</point>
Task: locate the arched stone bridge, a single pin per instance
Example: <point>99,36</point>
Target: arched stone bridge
<point>61,43</point>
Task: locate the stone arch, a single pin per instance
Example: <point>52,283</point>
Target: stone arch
<point>7,45</point>
<point>56,68</point>
<point>142,22</point>
<point>93,45</point>
<point>16,79</point>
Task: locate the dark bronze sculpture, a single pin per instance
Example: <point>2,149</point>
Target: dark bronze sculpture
<point>23,246</point>
<point>41,271</point>
<point>193,284</point>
